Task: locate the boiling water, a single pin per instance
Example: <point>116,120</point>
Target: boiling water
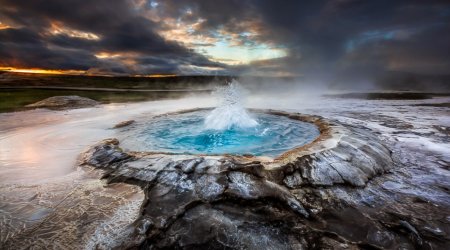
<point>185,133</point>
<point>229,128</point>
<point>230,112</point>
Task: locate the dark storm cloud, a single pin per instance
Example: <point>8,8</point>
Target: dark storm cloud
<point>24,48</point>
<point>333,40</point>
<point>117,24</point>
<point>338,39</point>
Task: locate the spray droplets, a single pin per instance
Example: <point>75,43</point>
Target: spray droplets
<point>230,113</point>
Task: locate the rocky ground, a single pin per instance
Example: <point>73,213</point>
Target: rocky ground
<point>64,102</point>
<point>309,200</point>
<point>383,184</point>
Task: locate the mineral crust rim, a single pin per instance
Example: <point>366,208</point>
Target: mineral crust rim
<point>328,138</point>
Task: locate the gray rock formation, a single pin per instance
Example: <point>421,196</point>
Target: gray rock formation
<point>291,202</point>
<point>64,102</point>
<point>124,124</point>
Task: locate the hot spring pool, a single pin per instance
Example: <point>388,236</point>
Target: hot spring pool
<point>187,133</point>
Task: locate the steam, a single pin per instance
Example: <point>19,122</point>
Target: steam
<point>230,113</point>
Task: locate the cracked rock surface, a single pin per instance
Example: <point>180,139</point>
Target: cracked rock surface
<point>297,201</point>
<point>376,178</point>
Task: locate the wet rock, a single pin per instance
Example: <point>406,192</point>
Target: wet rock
<point>434,231</point>
<point>103,154</point>
<point>224,227</point>
<point>210,187</point>
<point>327,198</point>
<point>408,226</point>
<point>352,161</point>
<point>188,166</point>
<point>64,102</point>
<point>318,172</point>
<point>124,124</point>
<point>175,184</point>
<point>293,181</point>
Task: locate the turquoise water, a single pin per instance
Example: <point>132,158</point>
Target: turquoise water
<point>186,133</point>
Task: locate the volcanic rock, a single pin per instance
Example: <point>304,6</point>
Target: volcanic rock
<point>334,193</point>
<point>64,102</point>
<point>247,202</point>
<point>124,124</point>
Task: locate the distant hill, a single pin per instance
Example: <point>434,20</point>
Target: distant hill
<point>393,81</point>
<point>416,82</point>
<point>14,79</point>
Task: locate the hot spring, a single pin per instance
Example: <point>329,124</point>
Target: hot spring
<point>227,129</point>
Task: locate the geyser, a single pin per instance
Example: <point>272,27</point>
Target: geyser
<point>227,129</point>
<point>230,113</point>
<point>186,133</point>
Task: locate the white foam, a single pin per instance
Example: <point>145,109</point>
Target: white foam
<point>230,112</point>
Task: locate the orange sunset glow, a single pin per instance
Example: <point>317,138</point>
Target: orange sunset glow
<point>72,72</point>
<point>43,71</point>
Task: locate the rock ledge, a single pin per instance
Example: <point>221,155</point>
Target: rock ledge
<point>64,102</point>
<point>235,201</point>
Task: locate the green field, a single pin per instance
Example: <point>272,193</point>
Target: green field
<point>8,79</point>
<point>18,89</point>
<point>16,99</point>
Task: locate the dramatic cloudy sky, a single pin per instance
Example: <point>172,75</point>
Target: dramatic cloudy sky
<point>330,39</point>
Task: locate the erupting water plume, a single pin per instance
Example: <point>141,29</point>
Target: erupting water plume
<point>230,113</point>
<point>228,129</point>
